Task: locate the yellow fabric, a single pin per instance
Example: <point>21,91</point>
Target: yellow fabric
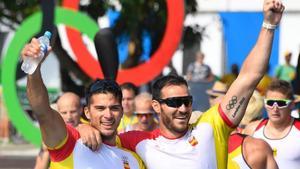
<point>125,121</point>
<point>221,134</point>
<point>231,163</point>
<point>228,79</point>
<point>83,121</point>
<point>264,84</point>
<point>140,161</point>
<point>65,164</point>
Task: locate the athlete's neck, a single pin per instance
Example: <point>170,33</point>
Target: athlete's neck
<point>110,141</point>
<point>167,133</point>
<point>279,130</point>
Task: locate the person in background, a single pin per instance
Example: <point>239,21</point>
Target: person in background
<point>129,91</point>
<point>197,71</point>
<point>286,71</point>
<point>69,107</point>
<point>144,113</point>
<point>264,83</point>
<point>228,79</point>
<point>215,95</point>
<point>4,121</point>
<point>280,130</point>
<point>245,152</point>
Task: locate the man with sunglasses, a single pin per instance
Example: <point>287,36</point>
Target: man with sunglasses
<point>176,144</point>
<point>280,130</point>
<point>144,113</point>
<point>104,111</point>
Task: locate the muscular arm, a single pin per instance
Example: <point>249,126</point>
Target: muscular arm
<point>254,66</point>
<point>52,126</point>
<point>258,154</point>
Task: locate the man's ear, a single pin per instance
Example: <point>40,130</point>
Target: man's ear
<point>156,106</point>
<point>87,112</point>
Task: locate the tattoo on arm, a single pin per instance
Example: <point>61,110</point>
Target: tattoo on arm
<point>238,107</point>
<point>231,103</point>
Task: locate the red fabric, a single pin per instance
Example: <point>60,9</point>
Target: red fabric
<point>235,140</point>
<point>130,139</point>
<point>262,123</point>
<point>65,151</point>
<point>297,123</point>
<point>225,118</point>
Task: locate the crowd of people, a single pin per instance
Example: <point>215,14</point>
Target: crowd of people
<point>126,128</point>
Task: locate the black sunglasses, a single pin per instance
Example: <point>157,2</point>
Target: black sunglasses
<point>177,101</point>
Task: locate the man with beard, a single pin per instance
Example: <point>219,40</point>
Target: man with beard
<point>203,144</point>
<point>104,111</point>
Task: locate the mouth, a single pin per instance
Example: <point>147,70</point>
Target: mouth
<point>181,118</point>
<point>70,122</point>
<point>107,124</point>
<point>276,115</point>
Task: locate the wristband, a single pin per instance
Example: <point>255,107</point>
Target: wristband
<point>268,26</point>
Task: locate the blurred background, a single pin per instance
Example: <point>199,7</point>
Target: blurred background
<point>153,37</point>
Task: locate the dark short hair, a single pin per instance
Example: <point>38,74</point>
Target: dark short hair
<point>166,81</point>
<point>130,86</point>
<point>281,86</point>
<point>103,86</point>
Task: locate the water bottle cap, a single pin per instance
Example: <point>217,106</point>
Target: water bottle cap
<point>48,34</point>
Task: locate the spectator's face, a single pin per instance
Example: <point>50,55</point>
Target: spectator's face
<point>145,115</point>
<point>199,57</point>
<point>69,108</point>
<point>288,58</point>
<point>70,112</point>
<point>172,119</point>
<point>128,101</point>
<point>276,113</point>
<point>104,113</point>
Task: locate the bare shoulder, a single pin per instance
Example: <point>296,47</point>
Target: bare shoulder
<point>250,128</point>
<point>257,153</point>
<point>254,145</point>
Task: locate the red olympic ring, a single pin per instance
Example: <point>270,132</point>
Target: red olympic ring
<point>144,72</point>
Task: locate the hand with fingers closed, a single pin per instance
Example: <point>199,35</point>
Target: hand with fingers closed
<point>273,10</point>
<point>90,136</point>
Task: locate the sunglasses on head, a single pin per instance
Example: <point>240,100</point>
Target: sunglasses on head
<point>176,102</point>
<point>280,103</point>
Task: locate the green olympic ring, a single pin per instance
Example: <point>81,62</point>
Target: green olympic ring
<point>26,31</point>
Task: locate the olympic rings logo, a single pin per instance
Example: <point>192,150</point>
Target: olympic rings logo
<point>231,103</point>
<point>82,23</point>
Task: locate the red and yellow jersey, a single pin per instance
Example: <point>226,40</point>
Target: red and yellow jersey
<point>204,145</point>
<point>236,159</point>
<point>73,154</point>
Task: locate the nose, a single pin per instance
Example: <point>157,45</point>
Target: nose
<point>69,115</point>
<point>183,108</point>
<point>107,113</point>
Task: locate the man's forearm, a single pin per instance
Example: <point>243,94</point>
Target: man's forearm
<point>257,61</point>
<point>37,93</point>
